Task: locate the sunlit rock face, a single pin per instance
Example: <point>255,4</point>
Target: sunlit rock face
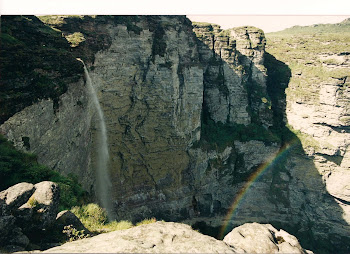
<point>61,139</point>
<point>150,86</point>
<point>196,129</point>
<point>234,74</point>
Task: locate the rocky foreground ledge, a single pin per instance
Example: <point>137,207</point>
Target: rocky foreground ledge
<point>170,237</point>
<point>29,214</point>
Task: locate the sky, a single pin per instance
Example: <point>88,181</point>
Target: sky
<point>269,15</point>
<point>268,23</point>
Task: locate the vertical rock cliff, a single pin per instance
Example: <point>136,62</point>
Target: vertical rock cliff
<point>44,104</point>
<point>196,122</point>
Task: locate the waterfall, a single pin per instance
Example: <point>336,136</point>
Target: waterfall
<point>103,183</point>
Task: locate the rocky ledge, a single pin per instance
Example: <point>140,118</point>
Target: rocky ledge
<point>29,221</point>
<point>170,237</point>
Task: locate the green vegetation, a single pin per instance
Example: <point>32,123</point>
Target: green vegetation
<point>318,28</point>
<point>35,63</point>
<point>217,136</point>
<point>159,44</point>
<point>146,221</point>
<point>32,202</point>
<point>73,234</point>
<point>17,166</point>
<point>75,39</point>
<point>95,219</point>
<point>311,53</point>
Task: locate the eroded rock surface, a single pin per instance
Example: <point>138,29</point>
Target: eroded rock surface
<point>169,237</point>
<point>260,238</point>
<point>195,131</point>
<point>29,211</point>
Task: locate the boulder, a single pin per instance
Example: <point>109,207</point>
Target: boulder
<point>39,213</point>
<point>6,224</point>
<point>263,238</point>
<point>16,195</point>
<point>27,212</point>
<point>66,218</point>
<point>158,237</point>
<point>11,236</point>
<point>44,203</point>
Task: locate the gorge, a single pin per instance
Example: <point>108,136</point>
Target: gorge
<point>204,126</point>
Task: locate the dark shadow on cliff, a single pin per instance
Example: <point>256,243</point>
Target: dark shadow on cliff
<point>296,192</point>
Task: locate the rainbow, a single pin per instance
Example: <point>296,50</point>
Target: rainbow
<point>250,181</point>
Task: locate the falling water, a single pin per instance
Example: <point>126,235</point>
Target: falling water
<point>103,184</point>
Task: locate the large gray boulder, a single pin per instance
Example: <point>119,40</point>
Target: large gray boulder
<point>158,237</point>
<point>47,196</point>
<point>170,237</point>
<point>27,212</point>
<point>16,195</point>
<point>263,238</point>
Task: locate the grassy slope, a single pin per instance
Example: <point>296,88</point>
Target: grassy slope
<point>302,48</point>
<point>313,54</point>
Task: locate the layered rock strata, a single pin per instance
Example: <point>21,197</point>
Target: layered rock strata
<point>194,131</point>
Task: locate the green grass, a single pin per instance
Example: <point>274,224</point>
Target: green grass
<point>75,39</point>
<point>146,221</point>
<point>95,219</point>
<point>302,49</point>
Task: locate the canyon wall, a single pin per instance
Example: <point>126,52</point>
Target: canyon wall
<point>196,123</point>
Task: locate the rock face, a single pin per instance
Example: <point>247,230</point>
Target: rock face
<point>44,103</point>
<point>234,74</point>
<point>258,238</point>
<point>316,109</point>
<point>28,211</point>
<point>169,237</point>
<point>196,128</point>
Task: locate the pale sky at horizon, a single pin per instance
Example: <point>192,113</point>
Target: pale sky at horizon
<point>268,23</point>
<point>269,15</point>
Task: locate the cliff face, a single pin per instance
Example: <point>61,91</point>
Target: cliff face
<point>316,109</point>
<point>43,97</point>
<point>234,75</point>
<point>152,98</point>
<point>195,118</point>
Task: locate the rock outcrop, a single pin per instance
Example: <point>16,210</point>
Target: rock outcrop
<point>259,238</point>
<point>28,214</point>
<point>44,103</point>
<point>67,218</point>
<point>169,237</point>
<point>196,121</point>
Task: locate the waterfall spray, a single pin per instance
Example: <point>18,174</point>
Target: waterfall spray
<point>103,183</point>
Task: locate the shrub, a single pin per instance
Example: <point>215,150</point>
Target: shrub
<point>73,234</point>
<point>32,202</point>
<point>146,221</point>
<point>95,219</point>
<point>118,225</point>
